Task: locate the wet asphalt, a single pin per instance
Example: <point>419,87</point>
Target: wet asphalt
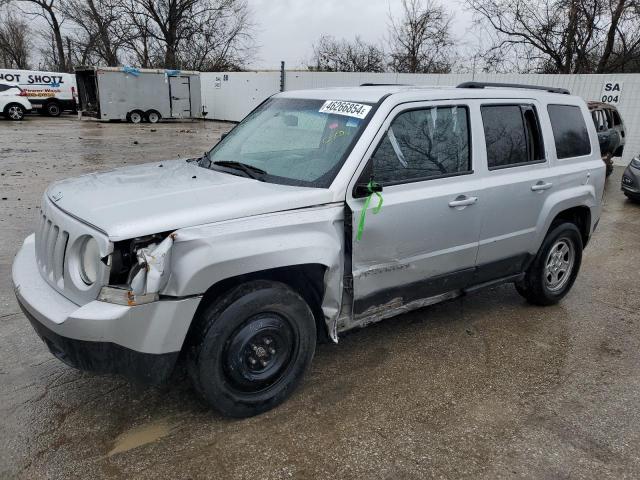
<point>485,386</point>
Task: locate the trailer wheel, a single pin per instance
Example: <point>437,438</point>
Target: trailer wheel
<point>135,116</point>
<point>153,116</point>
<point>53,109</point>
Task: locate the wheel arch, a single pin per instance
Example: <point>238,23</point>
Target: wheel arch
<point>578,205</point>
<point>580,216</point>
<point>308,280</point>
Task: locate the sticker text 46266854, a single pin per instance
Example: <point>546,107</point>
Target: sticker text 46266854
<point>349,109</point>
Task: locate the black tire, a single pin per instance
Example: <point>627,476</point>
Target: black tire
<point>152,116</point>
<point>53,109</point>
<point>14,112</point>
<point>259,321</point>
<point>135,116</point>
<point>539,286</point>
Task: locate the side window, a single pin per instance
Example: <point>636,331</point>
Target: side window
<point>423,144</point>
<point>599,120</point>
<point>617,121</point>
<point>512,135</point>
<point>3,87</point>
<point>569,131</point>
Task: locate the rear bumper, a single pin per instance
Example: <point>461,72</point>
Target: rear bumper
<point>141,342</point>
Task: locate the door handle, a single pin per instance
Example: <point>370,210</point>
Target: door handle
<point>540,186</point>
<point>462,201</point>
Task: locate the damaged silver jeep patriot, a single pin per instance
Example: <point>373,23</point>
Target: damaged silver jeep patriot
<point>322,211</point>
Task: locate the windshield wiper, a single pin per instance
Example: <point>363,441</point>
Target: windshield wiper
<point>251,171</point>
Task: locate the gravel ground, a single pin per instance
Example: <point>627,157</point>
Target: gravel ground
<point>485,386</point>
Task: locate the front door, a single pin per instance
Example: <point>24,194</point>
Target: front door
<point>180,91</point>
<point>424,240</point>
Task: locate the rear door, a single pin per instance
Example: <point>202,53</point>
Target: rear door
<point>424,240</point>
<point>180,91</point>
<point>517,182</point>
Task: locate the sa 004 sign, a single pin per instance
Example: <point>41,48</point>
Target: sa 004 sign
<point>611,92</point>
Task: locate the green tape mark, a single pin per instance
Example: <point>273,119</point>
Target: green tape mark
<point>376,209</point>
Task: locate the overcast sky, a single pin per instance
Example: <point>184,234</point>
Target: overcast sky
<point>286,29</point>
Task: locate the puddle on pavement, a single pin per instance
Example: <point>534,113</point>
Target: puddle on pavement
<point>141,435</point>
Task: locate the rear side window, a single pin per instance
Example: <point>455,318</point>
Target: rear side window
<point>423,144</point>
<point>512,135</point>
<point>569,131</point>
<point>616,118</point>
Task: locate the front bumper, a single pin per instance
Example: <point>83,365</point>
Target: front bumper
<point>142,342</point>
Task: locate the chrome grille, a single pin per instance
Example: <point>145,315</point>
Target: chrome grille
<point>51,246</point>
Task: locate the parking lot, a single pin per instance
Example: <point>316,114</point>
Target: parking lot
<point>485,386</point>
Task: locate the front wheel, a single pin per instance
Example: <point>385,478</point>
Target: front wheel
<point>555,267</point>
<point>136,116</point>
<point>14,112</point>
<point>250,349</point>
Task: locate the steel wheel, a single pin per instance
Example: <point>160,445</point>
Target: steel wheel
<point>153,117</point>
<point>135,117</point>
<point>258,352</point>
<point>15,112</point>
<point>53,110</point>
<point>559,264</point>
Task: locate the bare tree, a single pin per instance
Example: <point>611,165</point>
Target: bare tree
<point>15,44</point>
<point>49,11</point>
<point>563,36</point>
<point>331,55</point>
<point>99,34</point>
<point>421,40</point>
<point>191,33</point>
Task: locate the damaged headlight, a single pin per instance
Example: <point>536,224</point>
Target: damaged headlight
<point>146,269</point>
<point>89,261</point>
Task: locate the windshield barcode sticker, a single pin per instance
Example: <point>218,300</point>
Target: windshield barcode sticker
<point>349,109</point>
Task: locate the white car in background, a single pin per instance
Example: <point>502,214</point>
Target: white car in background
<point>13,102</point>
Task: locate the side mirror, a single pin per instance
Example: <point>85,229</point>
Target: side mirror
<point>361,190</point>
<point>222,137</point>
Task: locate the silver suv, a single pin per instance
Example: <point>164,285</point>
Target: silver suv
<point>321,212</point>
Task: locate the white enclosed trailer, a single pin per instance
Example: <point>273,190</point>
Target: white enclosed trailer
<point>135,95</point>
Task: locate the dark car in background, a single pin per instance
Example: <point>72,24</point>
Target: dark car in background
<point>611,133</point>
<point>631,180</point>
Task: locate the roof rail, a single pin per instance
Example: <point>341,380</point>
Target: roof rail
<point>563,91</point>
<point>385,85</point>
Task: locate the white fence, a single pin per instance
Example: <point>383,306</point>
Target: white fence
<point>230,96</point>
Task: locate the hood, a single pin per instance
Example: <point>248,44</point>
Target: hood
<point>161,196</point>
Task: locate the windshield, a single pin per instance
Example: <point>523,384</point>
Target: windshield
<point>294,141</point>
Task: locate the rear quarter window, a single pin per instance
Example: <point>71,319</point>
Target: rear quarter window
<point>569,131</point>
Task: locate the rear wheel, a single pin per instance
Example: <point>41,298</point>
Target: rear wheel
<point>14,111</point>
<point>152,116</point>
<point>135,116</point>
<point>555,268</point>
<point>53,109</point>
<point>251,348</point>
